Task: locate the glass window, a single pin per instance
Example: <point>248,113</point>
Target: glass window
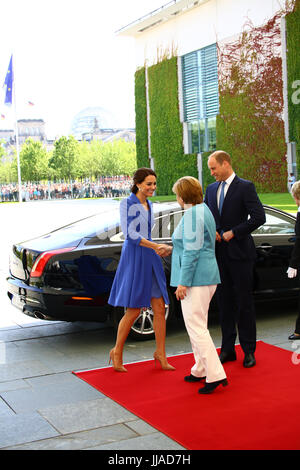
<point>164,226</point>
<point>211,134</point>
<point>276,224</point>
<point>202,135</point>
<point>201,98</point>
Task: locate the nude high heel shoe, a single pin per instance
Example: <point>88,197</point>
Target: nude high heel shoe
<point>163,362</point>
<point>117,367</point>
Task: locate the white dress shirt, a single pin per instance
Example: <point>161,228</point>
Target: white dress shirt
<point>228,183</point>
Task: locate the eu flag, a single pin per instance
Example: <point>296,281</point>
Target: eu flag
<point>9,83</point>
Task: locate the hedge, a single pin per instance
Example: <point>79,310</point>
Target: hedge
<point>142,154</point>
<point>293,69</point>
<point>166,129</point>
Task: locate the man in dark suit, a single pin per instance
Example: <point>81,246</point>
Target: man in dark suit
<point>295,257</point>
<point>238,212</point>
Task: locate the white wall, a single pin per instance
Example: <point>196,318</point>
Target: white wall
<point>213,21</point>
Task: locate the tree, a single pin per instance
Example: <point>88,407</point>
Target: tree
<point>34,161</point>
<point>126,157</point>
<point>119,158</point>
<point>8,170</point>
<point>70,160</point>
<point>91,158</point>
<point>63,160</point>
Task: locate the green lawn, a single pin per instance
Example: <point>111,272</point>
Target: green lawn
<point>283,201</point>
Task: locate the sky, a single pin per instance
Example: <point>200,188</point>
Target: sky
<point>67,57</point>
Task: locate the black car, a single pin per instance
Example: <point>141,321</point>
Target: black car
<point>67,274</point>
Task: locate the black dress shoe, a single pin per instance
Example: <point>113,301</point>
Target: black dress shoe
<point>249,360</point>
<point>227,356</point>
<point>294,336</point>
<point>209,387</point>
<point>192,378</point>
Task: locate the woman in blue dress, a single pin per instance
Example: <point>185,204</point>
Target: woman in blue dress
<point>140,279</point>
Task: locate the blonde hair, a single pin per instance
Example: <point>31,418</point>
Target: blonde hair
<point>189,189</point>
<point>296,190</point>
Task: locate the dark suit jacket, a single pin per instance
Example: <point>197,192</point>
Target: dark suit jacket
<point>295,258</point>
<point>242,213</point>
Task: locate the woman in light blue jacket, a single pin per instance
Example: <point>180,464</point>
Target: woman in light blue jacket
<point>195,273</point>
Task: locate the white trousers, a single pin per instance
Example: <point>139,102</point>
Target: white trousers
<point>195,312</point>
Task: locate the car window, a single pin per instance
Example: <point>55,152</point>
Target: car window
<point>165,225</point>
<point>276,224</point>
<point>109,234</point>
<point>117,237</point>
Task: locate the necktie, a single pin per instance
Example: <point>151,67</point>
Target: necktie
<point>222,196</point>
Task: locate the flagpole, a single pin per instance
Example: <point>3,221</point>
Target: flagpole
<point>17,138</point>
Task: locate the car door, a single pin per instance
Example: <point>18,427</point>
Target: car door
<point>162,232</point>
<point>274,242</point>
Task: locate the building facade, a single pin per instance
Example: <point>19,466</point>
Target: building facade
<point>27,128</point>
<point>96,123</point>
<point>33,128</point>
<point>194,32</point>
<point>85,126</point>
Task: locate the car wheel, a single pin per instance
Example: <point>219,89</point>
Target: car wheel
<point>142,328</point>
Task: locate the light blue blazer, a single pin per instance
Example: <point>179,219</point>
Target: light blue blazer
<point>193,257</point>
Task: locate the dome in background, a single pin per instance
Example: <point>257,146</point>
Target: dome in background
<point>84,121</point>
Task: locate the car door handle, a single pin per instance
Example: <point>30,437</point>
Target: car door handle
<point>292,239</point>
<point>265,246</point>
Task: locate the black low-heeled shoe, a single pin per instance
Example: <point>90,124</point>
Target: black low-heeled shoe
<point>209,387</point>
<point>227,356</point>
<point>192,378</point>
<point>294,336</point>
<point>249,360</point>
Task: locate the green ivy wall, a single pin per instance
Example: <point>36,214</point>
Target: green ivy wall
<point>170,162</point>
<point>293,67</point>
<point>141,126</point>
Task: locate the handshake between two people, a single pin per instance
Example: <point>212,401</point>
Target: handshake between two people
<point>166,250</point>
<point>163,250</point>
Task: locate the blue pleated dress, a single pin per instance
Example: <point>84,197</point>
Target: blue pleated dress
<point>140,275</point>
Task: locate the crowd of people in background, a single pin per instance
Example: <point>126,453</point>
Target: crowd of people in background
<point>106,186</point>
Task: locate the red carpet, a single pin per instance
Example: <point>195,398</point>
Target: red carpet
<point>258,410</point>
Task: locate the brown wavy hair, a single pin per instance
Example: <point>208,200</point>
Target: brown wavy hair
<point>139,177</point>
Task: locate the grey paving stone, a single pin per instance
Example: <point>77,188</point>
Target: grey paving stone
<point>57,378</point>
<point>81,440</point>
<point>19,429</point>
<point>5,410</point>
<point>35,398</point>
<point>71,362</point>
<point>39,331</point>
<point>13,385</point>
<point>141,427</point>
<point>81,416</point>
<point>22,369</point>
<point>156,441</point>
